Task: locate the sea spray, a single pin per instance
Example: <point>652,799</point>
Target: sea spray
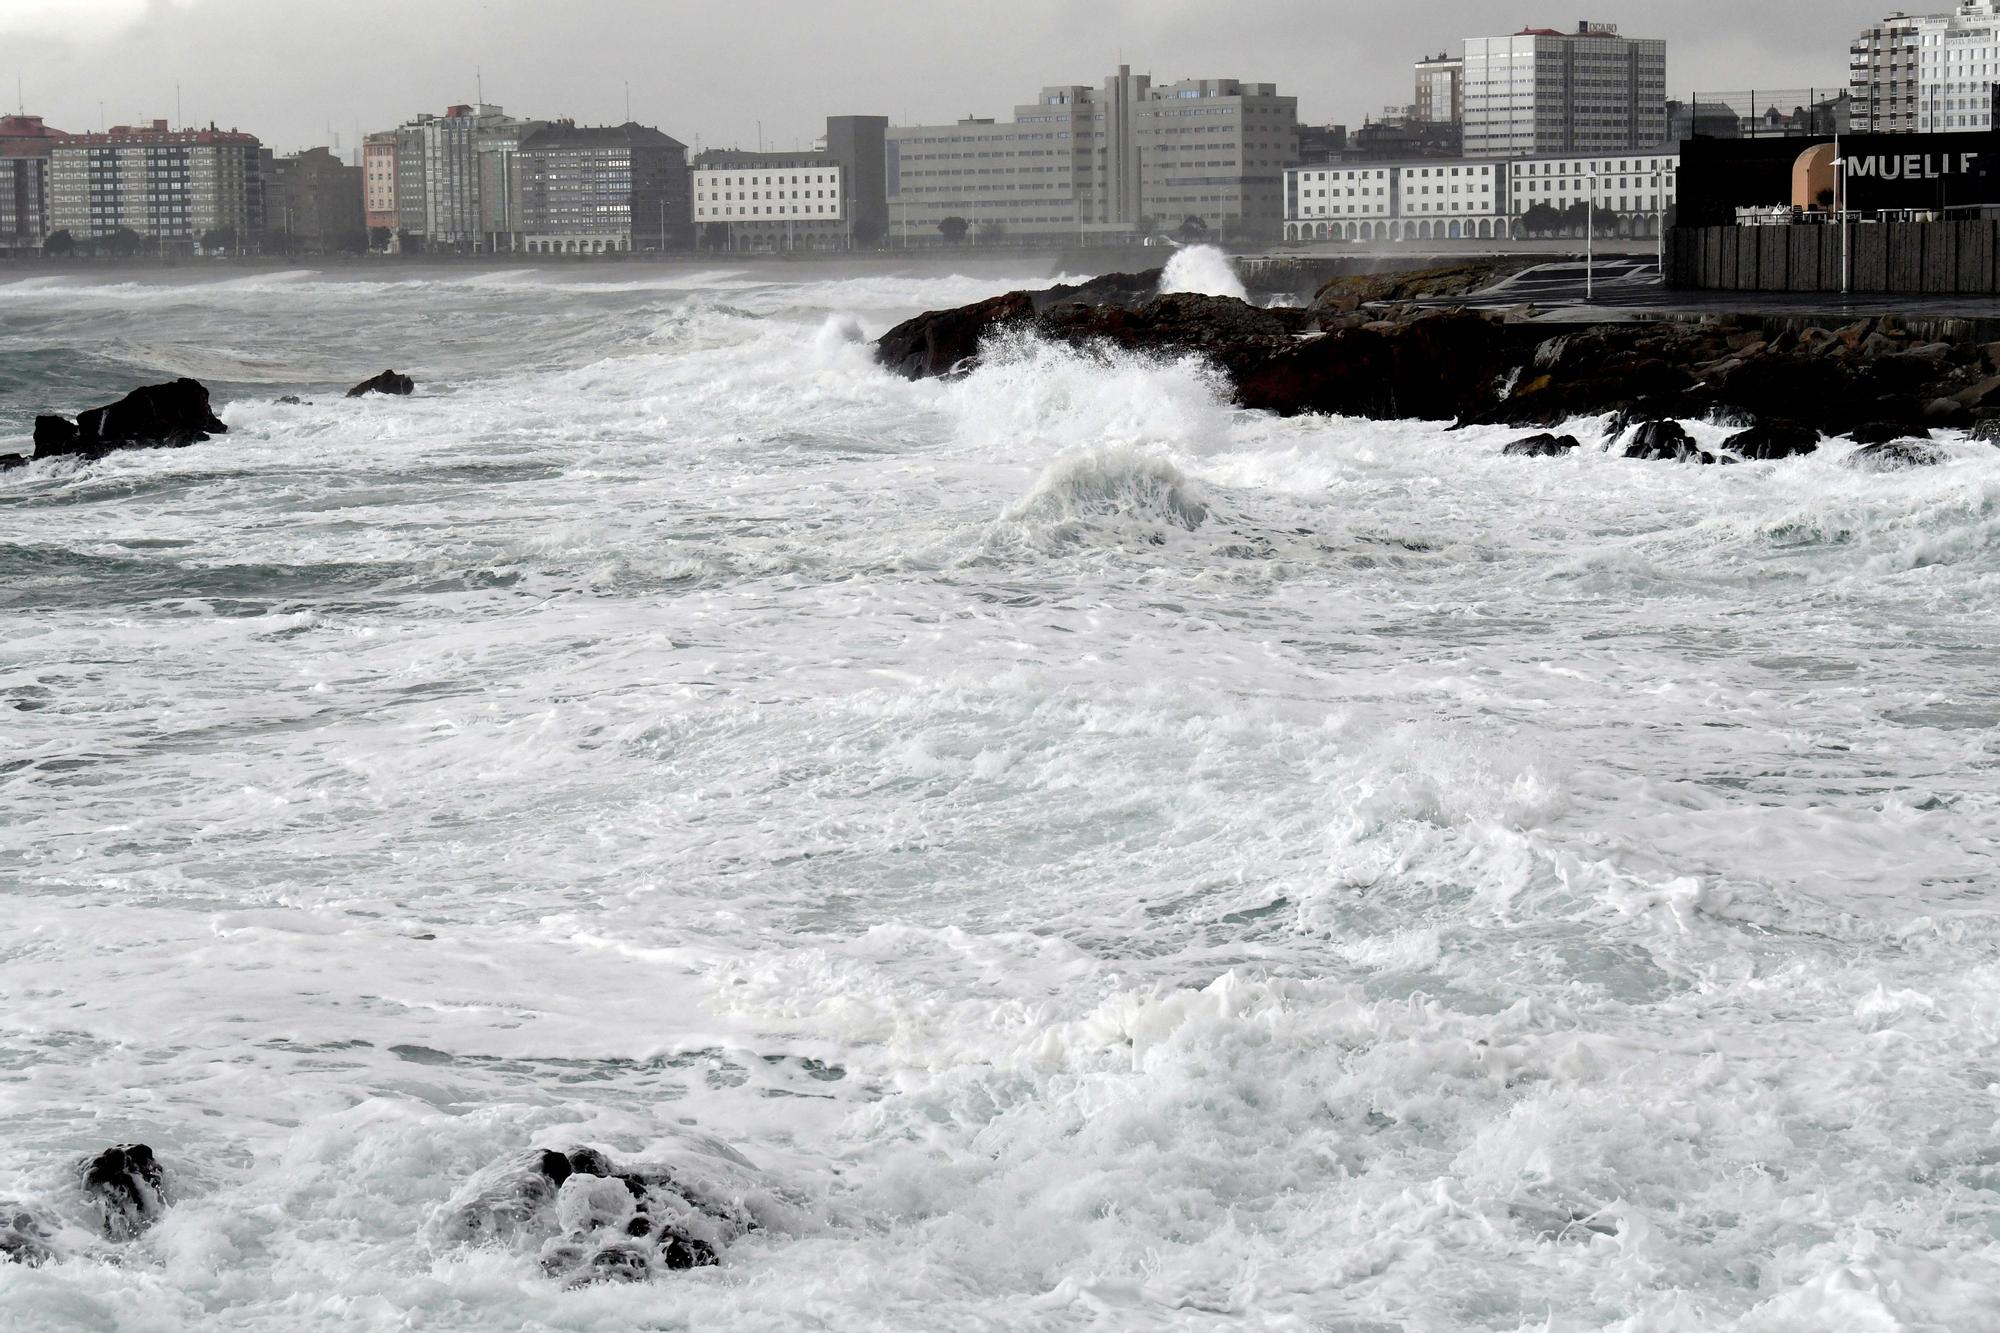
<point>1203,270</point>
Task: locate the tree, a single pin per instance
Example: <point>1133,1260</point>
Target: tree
<point>1193,229</point>
<point>1541,220</point>
<point>715,236</point>
<point>409,242</point>
<point>868,233</point>
<point>353,241</point>
<point>59,243</point>
<point>953,230</point>
<point>219,240</point>
<point>379,238</point>
<point>992,233</point>
<point>123,243</point>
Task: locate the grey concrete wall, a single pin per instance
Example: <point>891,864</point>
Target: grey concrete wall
<point>1933,258</point>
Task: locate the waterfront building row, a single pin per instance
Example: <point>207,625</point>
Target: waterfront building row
<point>1441,200</point>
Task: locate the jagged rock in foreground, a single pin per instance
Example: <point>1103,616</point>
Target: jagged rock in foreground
<point>128,1187</point>
<point>1665,441</point>
<point>603,1221</point>
<point>1484,368</point>
<point>938,342</point>
<point>388,382</point>
<point>156,416</point>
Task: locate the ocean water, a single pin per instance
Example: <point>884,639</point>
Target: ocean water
<point>1106,860</point>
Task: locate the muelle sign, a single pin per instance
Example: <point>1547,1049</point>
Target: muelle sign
<point>1912,166</point>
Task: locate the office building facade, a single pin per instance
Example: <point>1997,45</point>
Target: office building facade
<point>1440,90</point>
<point>1541,92</point>
<point>830,198</point>
<point>1084,162</point>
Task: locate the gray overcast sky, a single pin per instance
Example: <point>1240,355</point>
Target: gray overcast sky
<point>707,73</point>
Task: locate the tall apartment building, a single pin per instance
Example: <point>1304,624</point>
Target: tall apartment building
<point>1882,76</point>
<point>313,204</point>
<point>172,187</point>
<point>1958,68</point>
<point>24,203</point>
<point>378,181</point>
<point>1085,160</point>
<point>1440,89</point>
<point>447,193</point>
<point>597,190</point>
<point>1540,91</point>
<point>834,197</point>
<point>25,144</point>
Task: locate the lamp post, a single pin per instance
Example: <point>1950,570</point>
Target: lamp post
<point>1590,233</point>
<point>1840,212</point>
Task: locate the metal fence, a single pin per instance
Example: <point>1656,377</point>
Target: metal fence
<point>1761,113</point>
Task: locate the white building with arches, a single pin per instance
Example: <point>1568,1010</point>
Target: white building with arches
<point>1441,199</point>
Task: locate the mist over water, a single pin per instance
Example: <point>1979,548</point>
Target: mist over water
<point>1108,860</point>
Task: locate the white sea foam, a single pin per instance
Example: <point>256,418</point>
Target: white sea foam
<point>1202,269</point>
<point>1102,859</point>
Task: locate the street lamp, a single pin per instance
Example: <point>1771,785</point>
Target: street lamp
<point>1590,234</point>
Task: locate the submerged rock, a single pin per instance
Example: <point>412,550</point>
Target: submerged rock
<point>1773,439</point>
<point>156,416</point>
<point>1896,455</point>
<point>1545,445</point>
<point>128,1188</point>
<point>388,382</point>
<point>27,1234</point>
<point>1882,432</point>
<point>604,1221</point>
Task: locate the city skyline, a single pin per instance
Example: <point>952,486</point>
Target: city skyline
<point>305,76</point>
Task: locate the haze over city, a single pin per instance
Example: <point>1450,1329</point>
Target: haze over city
<point>300,72</point>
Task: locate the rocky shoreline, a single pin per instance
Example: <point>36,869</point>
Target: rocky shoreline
<point>1872,381</point>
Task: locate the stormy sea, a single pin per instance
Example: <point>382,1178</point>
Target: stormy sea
<point>1040,850</point>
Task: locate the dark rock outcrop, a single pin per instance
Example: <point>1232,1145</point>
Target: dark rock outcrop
<point>1665,441</point>
<point>604,1221</point>
<point>54,435</point>
<point>1883,432</point>
<point>1542,446</point>
<point>388,382</point>
<point>1347,355</point>
<point>156,416</point>
<point>128,1188</point>
<point>8,462</point>
<point>939,342</point>
<point>1773,439</point>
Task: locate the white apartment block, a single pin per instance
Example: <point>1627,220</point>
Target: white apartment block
<point>766,195</point>
<point>1540,91</point>
<point>169,186</point>
<point>1439,199</point>
<point>1958,65</point>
